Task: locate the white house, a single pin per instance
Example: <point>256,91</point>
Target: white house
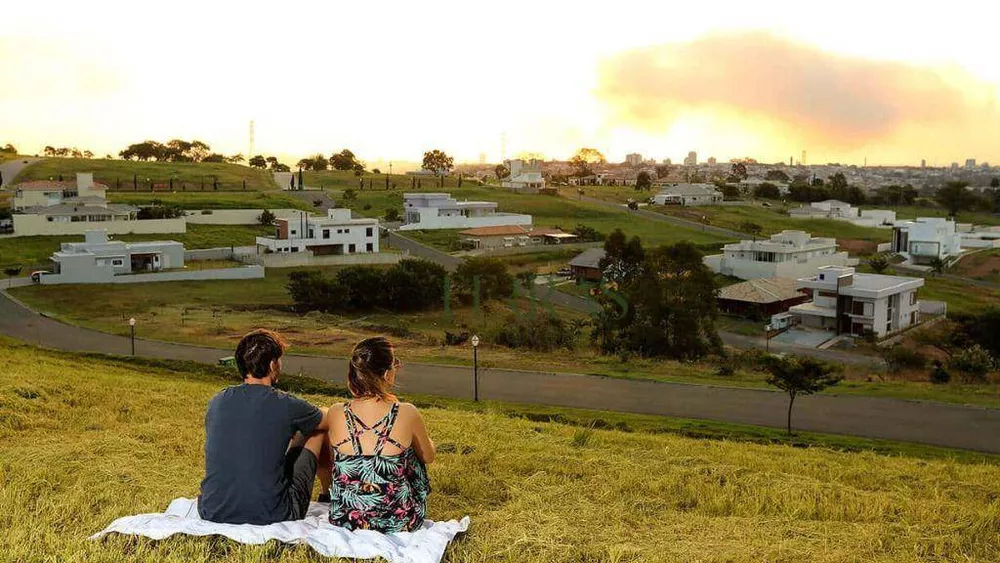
<point>788,254</point>
<point>46,193</point>
<point>875,218</point>
<point>441,211</point>
<point>828,209</point>
<point>978,236</point>
<point>926,238</point>
<point>524,177</point>
<point>847,302</point>
<point>688,194</point>
<point>335,234</point>
<point>98,260</point>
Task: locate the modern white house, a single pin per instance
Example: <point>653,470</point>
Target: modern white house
<point>788,254</point>
<point>335,234</point>
<point>46,193</point>
<point>827,209</point>
<point>688,194</point>
<point>524,177</point>
<point>847,302</point>
<point>441,211</point>
<point>978,236</point>
<point>511,236</point>
<point>922,240</point>
<point>98,259</point>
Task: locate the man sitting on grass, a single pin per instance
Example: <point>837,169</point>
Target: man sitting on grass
<point>255,473</point>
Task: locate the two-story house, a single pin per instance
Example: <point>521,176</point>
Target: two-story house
<point>922,240</point>
<point>788,254</point>
<point>426,211</point>
<point>524,177</point>
<point>337,233</point>
<point>847,302</point>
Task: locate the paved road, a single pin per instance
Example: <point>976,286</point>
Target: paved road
<point>930,423</point>
<point>736,235</point>
<point>12,168</point>
<point>420,250</point>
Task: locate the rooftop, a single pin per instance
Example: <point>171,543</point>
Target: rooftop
<point>502,230</point>
<point>590,258</point>
<point>764,290</point>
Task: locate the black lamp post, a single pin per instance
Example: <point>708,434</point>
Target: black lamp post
<point>131,326</point>
<point>475,368</point>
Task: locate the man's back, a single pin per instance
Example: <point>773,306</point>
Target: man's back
<point>247,432</point>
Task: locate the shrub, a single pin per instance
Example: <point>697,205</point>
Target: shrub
<point>973,363</point>
<point>939,375</point>
<point>206,211</point>
<point>545,332</point>
<point>407,286</point>
<point>266,217</point>
<point>414,285</point>
<point>452,339</point>
<point>585,233</point>
<point>897,358</point>
<point>313,291</point>
<point>494,279</point>
<point>392,215</point>
<point>160,212</point>
<point>581,437</point>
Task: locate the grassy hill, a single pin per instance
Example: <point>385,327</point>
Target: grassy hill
<point>87,440</point>
<point>118,174</point>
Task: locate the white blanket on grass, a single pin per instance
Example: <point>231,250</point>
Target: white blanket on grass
<point>425,545</point>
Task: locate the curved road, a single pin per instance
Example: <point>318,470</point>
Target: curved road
<point>957,426</point>
<point>10,169</point>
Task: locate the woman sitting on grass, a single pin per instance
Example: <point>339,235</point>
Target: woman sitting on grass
<point>380,448</point>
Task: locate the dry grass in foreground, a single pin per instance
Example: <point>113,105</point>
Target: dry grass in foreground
<point>88,440</point>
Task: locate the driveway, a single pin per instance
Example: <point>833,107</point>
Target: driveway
<point>11,168</point>
<point>939,424</point>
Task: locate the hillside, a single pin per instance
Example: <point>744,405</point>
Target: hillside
<point>87,440</point>
<point>187,176</point>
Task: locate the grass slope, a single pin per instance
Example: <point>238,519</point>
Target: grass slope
<point>213,200</point>
<point>89,440</point>
<point>113,172</point>
<point>36,251</point>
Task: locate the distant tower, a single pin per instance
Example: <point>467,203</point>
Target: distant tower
<point>923,163</point>
<point>482,158</point>
<point>803,161</point>
<point>250,154</point>
<point>791,161</point>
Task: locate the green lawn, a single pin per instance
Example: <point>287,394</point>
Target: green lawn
<point>36,251</point>
<point>88,439</point>
<point>119,174</point>
<point>213,200</point>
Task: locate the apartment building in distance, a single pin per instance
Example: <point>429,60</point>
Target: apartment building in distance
<point>788,254</point>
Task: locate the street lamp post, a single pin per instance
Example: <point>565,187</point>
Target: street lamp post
<point>767,338</point>
<point>475,368</point>
<point>131,326</point>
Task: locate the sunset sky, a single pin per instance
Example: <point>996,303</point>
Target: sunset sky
<point>843,80</point>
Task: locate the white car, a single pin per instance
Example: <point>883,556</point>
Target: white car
<point>36,276</point>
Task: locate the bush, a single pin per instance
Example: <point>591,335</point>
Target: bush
<point>414,285</point>
<point>939,375</point>
<point>452,339</point>
<point>266,217</point>
<point>897,358</point>
<point>767,190</point>
<point>587,234</point>
<point>160,212</point>
<point>409,285</point>
<point>973,363</point>
<point>545,332</point>
<point>495,281</point>
<point>206,211</point>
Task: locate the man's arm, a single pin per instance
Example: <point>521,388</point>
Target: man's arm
<point>324,424</point>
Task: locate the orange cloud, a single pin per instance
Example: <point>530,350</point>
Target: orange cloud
<point>810,95</point>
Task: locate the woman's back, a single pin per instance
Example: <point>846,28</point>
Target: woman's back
<point>379,480</point>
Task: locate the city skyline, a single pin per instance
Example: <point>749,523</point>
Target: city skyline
<point>767,81</point>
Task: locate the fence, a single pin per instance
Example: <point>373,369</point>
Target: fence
<point>300,259</point>
<point>241,273</point>
<point>35,225</point>
<point>235,216</point>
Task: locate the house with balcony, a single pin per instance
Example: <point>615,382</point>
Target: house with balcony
<point>922,240</point>
<point>525,176</point>
<point>688,195</point>
<point>846,302</point>
<point>98,259</point>
<point>428,211</point>
<point>788,254</point>
<point>338,233</point>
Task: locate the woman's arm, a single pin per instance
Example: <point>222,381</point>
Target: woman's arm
<point>422,443</point>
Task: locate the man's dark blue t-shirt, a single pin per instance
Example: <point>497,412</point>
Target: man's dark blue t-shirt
<point>247,431</point>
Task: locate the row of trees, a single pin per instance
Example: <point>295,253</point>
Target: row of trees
<point>343,160</point>
<point>268,163</point>
<point>73,152</point>
<point>175,150</point>
<point>8,149</point>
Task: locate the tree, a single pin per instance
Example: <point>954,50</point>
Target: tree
<point>739,171</point>
<point>501,171</point>
<point>344,160</point>
<point>879,263</point>
<point>88,154</point>
<point>800,376</point>
<point>643,181</point>
<point>266,218</point>
<point>938,265</point>
<point>897,358</point>
<point>955,197</point>
<point>392,215</point>
<point>49,150</point>
<point>9,149</point>
<point>973,363</point>
<point>767,190</point>
<point>319,162</point>
<point>662,171</point>
<point>583,159</point>
<point>752,228</point>
<point>350,194</point>
<point>235,159</point>
<point>414,285</point>
<point>258,161</point>
<point>198,151</point>
<point>777,176</point>
<point>994,183</point>
<point>10,272</point>
<point>214,157</point>
<point>494,279</point>
<point>437,162</point>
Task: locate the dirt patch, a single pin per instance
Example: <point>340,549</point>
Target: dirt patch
<point>979,265</point>
<point>857,247</point>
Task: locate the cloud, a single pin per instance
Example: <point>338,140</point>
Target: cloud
<point>826,99</point>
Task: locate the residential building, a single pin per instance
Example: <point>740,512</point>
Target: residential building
<point>525,177</point>
<point>847,302</point>
<point>828,209</point>
<point>441,211</point>
<point>586,266</point>
<point>47,193</point>
<point>336,234</point>
<point>760,298</point>
<point>788,254</point>
<point>510,236</point>
<point>633,159</point>
<point>98,259</point>
<point>688,194</point>
<point>922,240</point>
<point>711,161</point>
<point>691,159</point>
